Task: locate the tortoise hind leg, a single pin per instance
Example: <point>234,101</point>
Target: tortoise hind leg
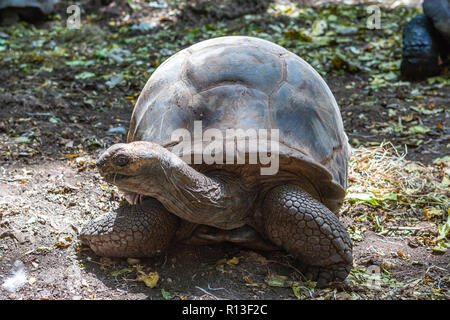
<point>309,231</point>
<point>141,230</point>
<point>244,236</point>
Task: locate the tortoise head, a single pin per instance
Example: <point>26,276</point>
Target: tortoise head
<point>135,165</point>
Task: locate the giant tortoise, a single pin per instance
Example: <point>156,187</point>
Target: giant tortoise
<point>228,83</point>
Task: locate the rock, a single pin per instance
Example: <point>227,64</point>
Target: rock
<point>438,11</point>
<point>12,11</point>
<point>421,49</point>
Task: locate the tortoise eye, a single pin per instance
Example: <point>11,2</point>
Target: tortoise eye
<point>121,160</point>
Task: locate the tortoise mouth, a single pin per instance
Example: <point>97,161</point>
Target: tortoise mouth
<point>114,177</point>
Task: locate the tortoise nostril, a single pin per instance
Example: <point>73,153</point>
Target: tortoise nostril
<point>99,163</point>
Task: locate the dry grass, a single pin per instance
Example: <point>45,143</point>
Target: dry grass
<point>383,170</point>
<point>395,195</point>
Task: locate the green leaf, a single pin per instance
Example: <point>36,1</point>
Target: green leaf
<point>390,196</point>
<point>340,61</point>
<point>296,290</point>
<point>84,75</point>
<point>441,247</point>
<point>443,231</point>
<point>275,280</point>
<point>390,76</point>
<point>134,5</point>
<point>297,35</point>
<point>22,140</point>
<point>332,18</point>
<point>440,80</point>
<point>102,53</point>
<point>114,80</point>
<point>369,197</point>
<point>318,28</point>
<point>364,197</point>
<point>76,63</point>
<point>355,233</point>
<point>119,272</point>
<point>441,160</point>
<point>166,294</point>
<point>390,66</point>
<point>425,111</point>
<point>418,129</point>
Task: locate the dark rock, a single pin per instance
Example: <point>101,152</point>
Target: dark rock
<point>421,49</point>
<point>438,11</point>
<point>12,11</point>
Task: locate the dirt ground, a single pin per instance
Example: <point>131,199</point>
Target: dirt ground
<point>54,123</point>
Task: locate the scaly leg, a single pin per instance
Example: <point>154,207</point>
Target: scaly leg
<point>309,231</point>
<point>140,230</point>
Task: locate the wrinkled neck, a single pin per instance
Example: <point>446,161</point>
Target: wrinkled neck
<point>199,198</point>
<point>196,191</point>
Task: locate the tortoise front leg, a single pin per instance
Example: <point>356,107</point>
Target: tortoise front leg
<point>309,231</point>
<point>141,230</point>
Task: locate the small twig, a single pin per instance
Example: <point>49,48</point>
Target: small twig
<point>40,114</point>
<point>433,266</point>
<point>289,266</point>
<point>214,289</point>
<point>165,260</point>
<point>386,241</point>
<point>99,263</point>
<point>228,291</point>
<point>404,228</point>
<point>206,292</point>
<point>15,179</point>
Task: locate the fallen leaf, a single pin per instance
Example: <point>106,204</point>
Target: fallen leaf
<point>122,271</point>
<point>70,155</point>
<point>318,28</point>
<point>249,282</point>
<point>84,75</point>
<point>22,140</point>
<point>401,254</point>
<point>133,261</point>
<point>150,280</point>
<point>233,260</point>
<point>275,280</point>
<point>166,294</point>
<point>418,129</point>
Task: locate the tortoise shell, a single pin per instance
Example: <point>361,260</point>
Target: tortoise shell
<point>250,83</point>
